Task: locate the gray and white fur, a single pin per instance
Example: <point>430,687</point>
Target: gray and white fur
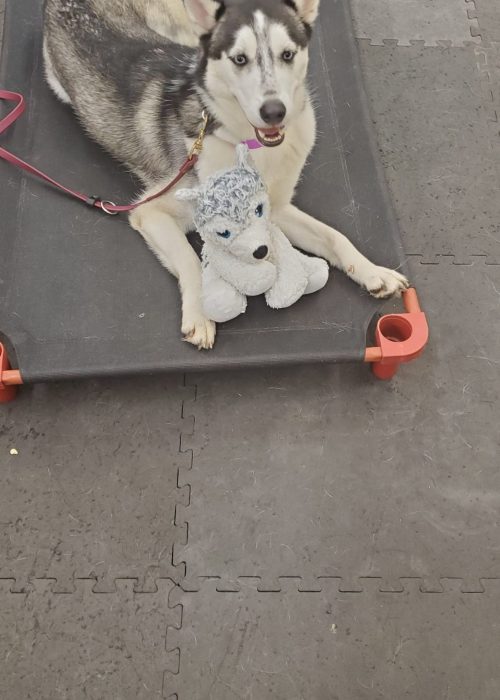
<point>139,73</point>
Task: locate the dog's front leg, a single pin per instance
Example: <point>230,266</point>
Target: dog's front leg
<point>166,239</point>
<point>317,238</point>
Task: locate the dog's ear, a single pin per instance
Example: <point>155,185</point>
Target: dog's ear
<point>203,14</point>
<point>307,10</point>
<point>188,195</point>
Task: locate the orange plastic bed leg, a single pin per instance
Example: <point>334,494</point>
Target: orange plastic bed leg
<point>400,338</point>
<point>9,378</point>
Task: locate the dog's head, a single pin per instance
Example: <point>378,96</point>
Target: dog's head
<point>255,58</point>
<point>231,210</point>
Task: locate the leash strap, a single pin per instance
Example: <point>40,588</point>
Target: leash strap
<point>95,202</point>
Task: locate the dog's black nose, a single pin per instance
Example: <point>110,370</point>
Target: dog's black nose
<point>261,252</point>
<point>273,112</point>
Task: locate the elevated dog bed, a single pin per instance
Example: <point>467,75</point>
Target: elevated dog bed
<point>82,296</point>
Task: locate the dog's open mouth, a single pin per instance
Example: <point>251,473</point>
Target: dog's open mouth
<point>273,136</point>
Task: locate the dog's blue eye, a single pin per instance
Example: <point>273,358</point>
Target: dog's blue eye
<point>224,234</point>
<point>288,56</point>
<point>260,210</point>
<point>239,60</point>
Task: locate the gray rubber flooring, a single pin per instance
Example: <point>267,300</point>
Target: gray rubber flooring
<point>306,534</point>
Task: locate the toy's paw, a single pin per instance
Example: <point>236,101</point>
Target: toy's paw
<point>318,275</point>
<point>199,331</point>
<point>383,283</point>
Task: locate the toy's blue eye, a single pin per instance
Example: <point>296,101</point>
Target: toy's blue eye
<point>224,234</point>
<point>260,210</point>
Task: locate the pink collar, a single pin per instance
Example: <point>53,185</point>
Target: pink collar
<point>252,144</point>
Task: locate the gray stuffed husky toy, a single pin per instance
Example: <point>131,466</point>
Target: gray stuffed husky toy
<point>244,253</point>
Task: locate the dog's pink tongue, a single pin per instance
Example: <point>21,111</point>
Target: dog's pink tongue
<point>272,131</point>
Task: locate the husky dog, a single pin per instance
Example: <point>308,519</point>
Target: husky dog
<point>139,87</point>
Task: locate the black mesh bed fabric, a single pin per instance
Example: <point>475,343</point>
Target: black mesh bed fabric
<point>82,296</point>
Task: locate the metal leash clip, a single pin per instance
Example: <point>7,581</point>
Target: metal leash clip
<point>197,146</point>
<point>107,211</point>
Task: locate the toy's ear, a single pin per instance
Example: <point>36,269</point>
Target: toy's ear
<point>243,157</point>
<point>188,195</point>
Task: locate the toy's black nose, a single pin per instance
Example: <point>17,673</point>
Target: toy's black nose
<point>261,252</point>
<point>273,112</point>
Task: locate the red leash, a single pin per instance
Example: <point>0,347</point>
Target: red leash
<point>104,205</point>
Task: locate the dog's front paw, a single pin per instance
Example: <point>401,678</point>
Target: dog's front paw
<point>199,331</point>
<point>383,283</point>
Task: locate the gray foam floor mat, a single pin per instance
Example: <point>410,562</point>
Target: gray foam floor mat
<point>446,189</point>
<point>453,22</point>
<point>84,645</point>
<point>488,18</point>
<point>336,645</point>
<point>332,537</point>
<point>488,64</point>
<point>414,495</point>
<point>91,491</point>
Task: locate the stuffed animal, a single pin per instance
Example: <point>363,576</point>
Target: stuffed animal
<point>244,253</point>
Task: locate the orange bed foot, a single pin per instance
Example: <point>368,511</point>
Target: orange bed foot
<point>400,338</point>
<point>9,378</point>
